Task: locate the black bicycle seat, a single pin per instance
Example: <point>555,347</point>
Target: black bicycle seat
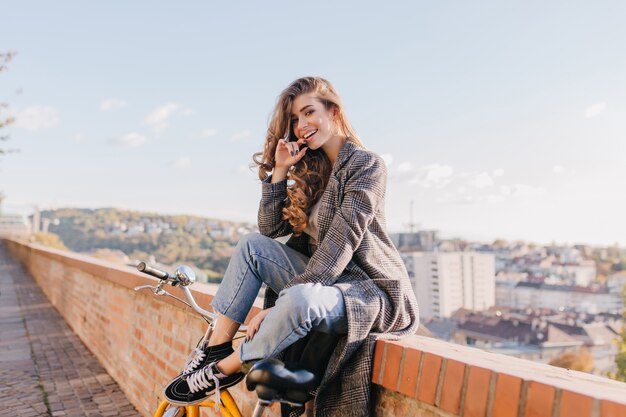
<point>275,381</point>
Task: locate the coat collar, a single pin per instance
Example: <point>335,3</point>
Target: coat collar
<point>345,153</point>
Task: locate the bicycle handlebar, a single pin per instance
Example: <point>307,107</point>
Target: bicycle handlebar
<point>157,273</point>
<point>174,281</point>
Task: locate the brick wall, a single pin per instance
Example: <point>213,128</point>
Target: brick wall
<point>140,339</point>
<point>143,341</point>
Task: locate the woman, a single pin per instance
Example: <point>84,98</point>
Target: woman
<point>338,273</point>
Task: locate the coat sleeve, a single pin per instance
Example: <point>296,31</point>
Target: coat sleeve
<point>363,195</point>
<point>270,218</point>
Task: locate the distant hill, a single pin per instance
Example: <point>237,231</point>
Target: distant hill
<point>207,243</point>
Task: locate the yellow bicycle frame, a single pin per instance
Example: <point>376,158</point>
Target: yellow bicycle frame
<point>228,408</point>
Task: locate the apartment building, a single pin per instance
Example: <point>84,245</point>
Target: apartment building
<point>447,281</point>
<point>592,299</point>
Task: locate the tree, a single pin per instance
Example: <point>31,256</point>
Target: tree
<point>5,121</point>
<point>581,361</point>
<point>50,240</point>
<point>499,243</point>
<point>620,358</point>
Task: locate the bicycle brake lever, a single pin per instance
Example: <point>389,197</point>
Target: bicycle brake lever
<point>144,287</point>
<point>161,291</point>
<point>156,289</point>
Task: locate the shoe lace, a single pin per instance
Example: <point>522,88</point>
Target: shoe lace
<point>197,355</point>
<point>204,378</point>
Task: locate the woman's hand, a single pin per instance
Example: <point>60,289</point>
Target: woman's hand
<point>288,153</point>
<point>255,323</point>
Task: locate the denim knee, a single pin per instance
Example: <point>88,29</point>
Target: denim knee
<point>307,303</point>
<point>248,243</point>
<point>301,293</point>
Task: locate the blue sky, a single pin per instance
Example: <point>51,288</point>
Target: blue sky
<point>497,119</point>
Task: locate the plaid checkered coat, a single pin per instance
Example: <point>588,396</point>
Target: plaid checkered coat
<point>355,255</point>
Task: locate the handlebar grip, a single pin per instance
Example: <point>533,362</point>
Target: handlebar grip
<point>143,267</point>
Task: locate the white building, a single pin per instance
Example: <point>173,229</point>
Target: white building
<point>424,240</point>
<point>560,297</point>
<point>14,225</point>
<point>446,281</point>
<point>582,273</point>
<point>616,282</point>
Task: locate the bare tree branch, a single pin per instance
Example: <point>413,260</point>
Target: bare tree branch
<point>5,58</point>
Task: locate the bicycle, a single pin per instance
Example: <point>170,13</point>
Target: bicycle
<point>272,380</point>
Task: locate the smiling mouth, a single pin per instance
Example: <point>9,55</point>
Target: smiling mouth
<point>308,135</point>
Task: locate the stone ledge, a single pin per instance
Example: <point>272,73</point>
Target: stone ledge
<point>466,381</point>
<point>125,276</point>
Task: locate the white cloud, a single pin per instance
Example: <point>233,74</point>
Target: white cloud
<point>427,176</point>
<point>388,158</point>
<point>37,118</point>
<point>494,198</point>
<point>112,104</point>
<point>498,172</point>
<point>131,140</point>
<point>402,173</point>
<point>188,112</point>
<point>522,190</point>
<point>79,137</point>
<point>437,174</point>
<point>481,180</point>
<point>161,114</point>
<point>181,163</point>
<point>595,110</point>
<point>158,117</point>
<point>207,133</point>
<point>494,195</point>
<point>404,167</point>
<point>462,200</point>
<point>558,169</point>
<point>247,169</point>
<point>433,175</point>
<point>241,135</point>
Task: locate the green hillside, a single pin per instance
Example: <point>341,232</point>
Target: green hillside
<point>207,243</point>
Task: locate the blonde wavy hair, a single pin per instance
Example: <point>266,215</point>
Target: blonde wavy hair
<point>309,177</point>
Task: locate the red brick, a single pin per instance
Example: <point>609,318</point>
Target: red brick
<point>575,405</point>
<point>392,366</point>
<point>378,362</point>
<point>507,395</point>
<point>179,347</point>
<point>477,392</point>
<point>408,376</point>
<point>429,378</point>
<point>452,386</point>
<point>611,409</point>
<point>539,400</point>
<point>168,325</point>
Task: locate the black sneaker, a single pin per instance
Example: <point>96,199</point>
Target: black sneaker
<point>197,386</point>
<point>202,356</point>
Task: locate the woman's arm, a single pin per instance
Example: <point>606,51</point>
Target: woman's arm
<point>270,218</point>
<point>364,192</point>
<point>274,191</point>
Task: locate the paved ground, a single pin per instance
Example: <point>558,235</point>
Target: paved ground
<point>45,370</point>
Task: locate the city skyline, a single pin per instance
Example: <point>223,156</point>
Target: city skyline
<point>496,121</point>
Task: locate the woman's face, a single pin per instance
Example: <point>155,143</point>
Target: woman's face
<point>312,122</point>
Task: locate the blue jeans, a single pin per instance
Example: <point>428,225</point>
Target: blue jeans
<point>298,310</point>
